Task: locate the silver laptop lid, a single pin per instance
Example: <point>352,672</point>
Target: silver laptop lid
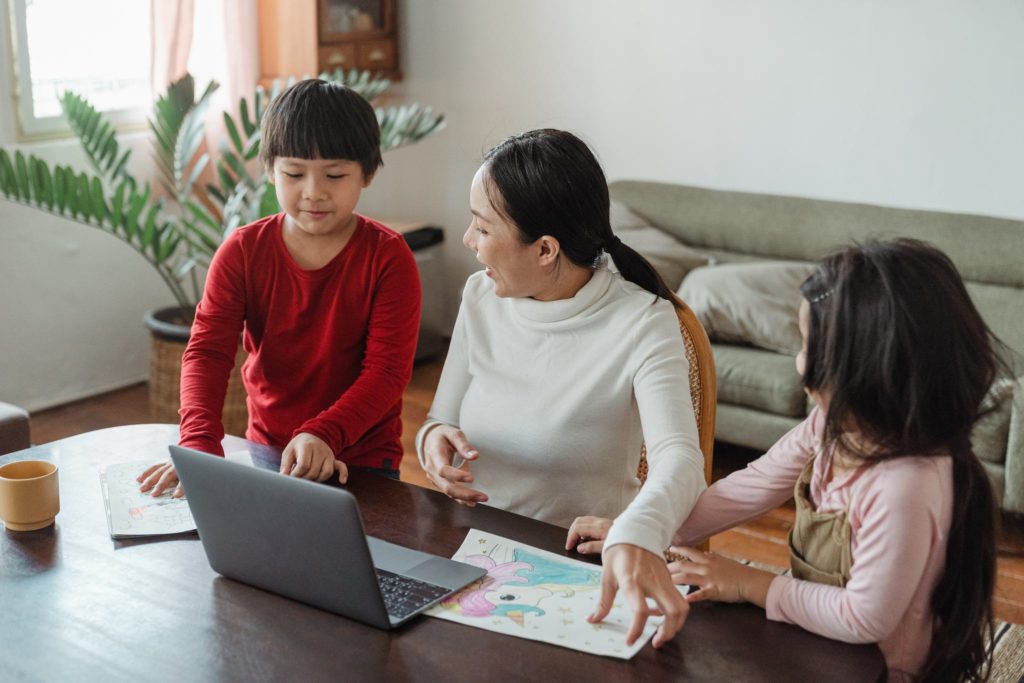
<point>293,537</point>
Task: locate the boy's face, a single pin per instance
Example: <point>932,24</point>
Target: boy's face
<point>318,195</point>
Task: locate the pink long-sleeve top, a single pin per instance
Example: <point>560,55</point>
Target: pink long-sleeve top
<point>900,512</point>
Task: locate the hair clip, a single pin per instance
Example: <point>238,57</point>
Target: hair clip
<point>821,297</point>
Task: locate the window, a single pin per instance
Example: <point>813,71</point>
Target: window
<point>99,49</point>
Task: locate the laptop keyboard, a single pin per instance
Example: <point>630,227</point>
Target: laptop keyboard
<point>403,596</point>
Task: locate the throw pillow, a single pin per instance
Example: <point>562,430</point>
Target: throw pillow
<point>754,303</point>
<point>670,257</point>
<point>623,218</point>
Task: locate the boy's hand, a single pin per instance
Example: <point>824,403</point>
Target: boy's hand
<point>159,478</point>
<point>587,534</point>
<point>439,447</point>
<point>640,574</point>
<point>310,457</point>
<point>719,578</point>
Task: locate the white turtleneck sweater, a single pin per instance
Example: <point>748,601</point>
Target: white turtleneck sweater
<point>559,396</point>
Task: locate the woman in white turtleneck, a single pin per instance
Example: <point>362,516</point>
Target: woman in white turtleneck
<point>565,359</point>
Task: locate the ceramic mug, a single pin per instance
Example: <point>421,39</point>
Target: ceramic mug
<point>29,495</point>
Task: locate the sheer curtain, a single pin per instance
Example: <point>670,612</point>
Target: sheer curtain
<point>212,40</point>
<point>171,40</point>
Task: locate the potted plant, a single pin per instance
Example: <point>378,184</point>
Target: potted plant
<point>178,229</point>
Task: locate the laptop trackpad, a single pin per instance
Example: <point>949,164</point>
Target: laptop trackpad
<point>394,558</point>
<point>439,571</point>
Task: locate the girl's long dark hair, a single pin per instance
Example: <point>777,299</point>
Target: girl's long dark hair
<point>548,182</point>
<point>906,359</point>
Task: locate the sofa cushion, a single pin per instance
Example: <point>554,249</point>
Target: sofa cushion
<point>670,257</point>
<point>624,218</point>
<point>758,379</point>
<point>752,303</point>
<point>990,434</point>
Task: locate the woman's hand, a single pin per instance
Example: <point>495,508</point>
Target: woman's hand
<point>587,534</point>
<point>719,578</point>
<point>640,574</point>
<point>440,445</point>
<point>158,478</point>
<point>309,457</point>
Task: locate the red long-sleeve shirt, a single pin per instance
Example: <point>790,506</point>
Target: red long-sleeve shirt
<point>330,350</point>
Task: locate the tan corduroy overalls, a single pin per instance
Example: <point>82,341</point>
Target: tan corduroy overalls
<point>819,542</point>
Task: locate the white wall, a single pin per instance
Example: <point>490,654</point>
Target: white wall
<point>71,297</point>
<point>71,300</point>
<point>915,103</point>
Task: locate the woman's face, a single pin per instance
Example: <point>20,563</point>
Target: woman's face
<point>514,266</point>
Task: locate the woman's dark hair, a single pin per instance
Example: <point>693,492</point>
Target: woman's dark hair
<point>906,360</point>
<point>316,119</point>
<point>548,182</point>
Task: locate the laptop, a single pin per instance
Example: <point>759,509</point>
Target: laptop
<point>305,540</point>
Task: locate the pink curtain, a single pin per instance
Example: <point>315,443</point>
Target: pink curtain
<point>233,53</point>
<point>171,33</point>
<point>221,39</point>
<point>242,41</point>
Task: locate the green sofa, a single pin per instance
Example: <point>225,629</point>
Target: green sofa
<point>759,392</point>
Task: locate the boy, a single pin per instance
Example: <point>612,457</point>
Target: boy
<point>327,303</point>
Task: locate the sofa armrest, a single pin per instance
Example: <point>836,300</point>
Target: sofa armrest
<point>1013,498</point>
<point>14,429</point>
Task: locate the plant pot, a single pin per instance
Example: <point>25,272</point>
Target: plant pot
<point>170,335</point>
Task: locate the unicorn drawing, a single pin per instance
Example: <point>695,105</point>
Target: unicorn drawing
<point>515,589</point>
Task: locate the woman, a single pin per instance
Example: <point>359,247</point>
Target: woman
<point>561,367</point>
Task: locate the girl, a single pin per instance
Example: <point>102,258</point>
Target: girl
<point>893,540</point>
<point>561,367</point>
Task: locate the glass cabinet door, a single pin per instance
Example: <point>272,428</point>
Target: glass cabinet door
<point>340,19</point>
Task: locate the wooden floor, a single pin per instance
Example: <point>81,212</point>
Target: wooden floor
<point>762,540</point>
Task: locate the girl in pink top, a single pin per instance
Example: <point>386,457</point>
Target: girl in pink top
<point>894,537</point>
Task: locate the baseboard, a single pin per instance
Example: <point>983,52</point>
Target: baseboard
<point>80,394</point>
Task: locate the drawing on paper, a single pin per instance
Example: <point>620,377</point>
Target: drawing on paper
<point>131,513</point>
<point>518,588</point>
<point>531,593</point>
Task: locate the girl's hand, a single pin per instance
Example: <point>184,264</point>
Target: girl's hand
<point>309,457</point>
<point>440,445</point>
<point>587,534</point>
<point>719,578</point>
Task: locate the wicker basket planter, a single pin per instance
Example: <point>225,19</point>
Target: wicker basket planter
<point>169,338</point>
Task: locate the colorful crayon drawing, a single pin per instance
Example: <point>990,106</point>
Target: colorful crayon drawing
<point>531,593</point>
<point>144,510</point>
<point>516,589</point>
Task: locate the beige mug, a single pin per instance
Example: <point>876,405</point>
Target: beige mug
<point>29,495</point>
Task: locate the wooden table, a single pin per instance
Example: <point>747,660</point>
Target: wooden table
<point>76,605</point>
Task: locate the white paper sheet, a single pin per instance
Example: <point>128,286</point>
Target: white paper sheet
<point>531,593</point>
<point>133,514</point>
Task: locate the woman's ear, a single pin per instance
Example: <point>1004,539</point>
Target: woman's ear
<point>549,250</point>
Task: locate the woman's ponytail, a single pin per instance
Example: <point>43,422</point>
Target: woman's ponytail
<point>638,270</point>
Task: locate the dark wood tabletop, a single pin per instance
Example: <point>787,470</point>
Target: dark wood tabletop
<point>76,605</point>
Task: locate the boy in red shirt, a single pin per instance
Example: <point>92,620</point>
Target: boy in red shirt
<point>327,303</point>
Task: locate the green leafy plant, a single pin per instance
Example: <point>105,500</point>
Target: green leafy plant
<point>178,231</point>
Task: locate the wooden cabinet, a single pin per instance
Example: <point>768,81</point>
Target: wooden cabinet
<point>307,37</point>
